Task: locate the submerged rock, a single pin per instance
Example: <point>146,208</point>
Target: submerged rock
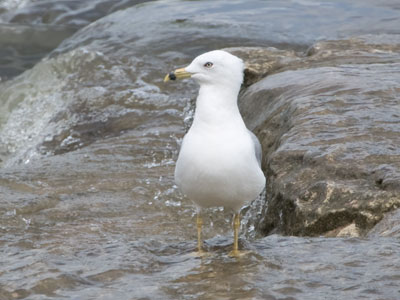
<point>329,124</point>
<point>389,226</point>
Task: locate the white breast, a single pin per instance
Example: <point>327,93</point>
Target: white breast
<point>219,167</point>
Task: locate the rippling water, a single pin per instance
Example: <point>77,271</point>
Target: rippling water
<point>88,139</point>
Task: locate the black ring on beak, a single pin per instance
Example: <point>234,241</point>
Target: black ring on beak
<point>172,76</point>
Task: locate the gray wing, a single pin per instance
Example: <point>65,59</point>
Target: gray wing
<point>257,147</point>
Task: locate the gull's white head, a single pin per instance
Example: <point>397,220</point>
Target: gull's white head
<point>215,67</point>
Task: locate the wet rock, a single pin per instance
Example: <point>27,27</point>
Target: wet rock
<point>260,62</point>
<point>329,124</point>
<point>347,231</point>
<point>389,226</point>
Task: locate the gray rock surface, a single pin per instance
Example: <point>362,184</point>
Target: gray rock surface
<point>389,226</point>
<point>329,124</point>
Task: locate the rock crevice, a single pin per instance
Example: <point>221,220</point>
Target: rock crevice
<point>329,124</point>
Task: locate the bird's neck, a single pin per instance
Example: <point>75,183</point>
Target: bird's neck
<point>216,105</point>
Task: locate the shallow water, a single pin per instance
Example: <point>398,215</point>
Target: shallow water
<point>89,135</point>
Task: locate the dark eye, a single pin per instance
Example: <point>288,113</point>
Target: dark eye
<point>208,64</point>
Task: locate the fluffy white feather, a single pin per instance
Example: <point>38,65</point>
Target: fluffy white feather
<point>218,164</point>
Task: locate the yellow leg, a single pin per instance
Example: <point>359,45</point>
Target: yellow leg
<point>236,227</point>
<point>199,240</point>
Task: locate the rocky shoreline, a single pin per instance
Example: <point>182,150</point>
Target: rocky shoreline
<point>329,124</point>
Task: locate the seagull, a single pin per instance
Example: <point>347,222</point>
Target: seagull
<point>219,163</point>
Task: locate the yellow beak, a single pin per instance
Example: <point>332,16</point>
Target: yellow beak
<point>177,74</point>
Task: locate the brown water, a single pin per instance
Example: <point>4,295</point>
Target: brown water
<point>88,140</point>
